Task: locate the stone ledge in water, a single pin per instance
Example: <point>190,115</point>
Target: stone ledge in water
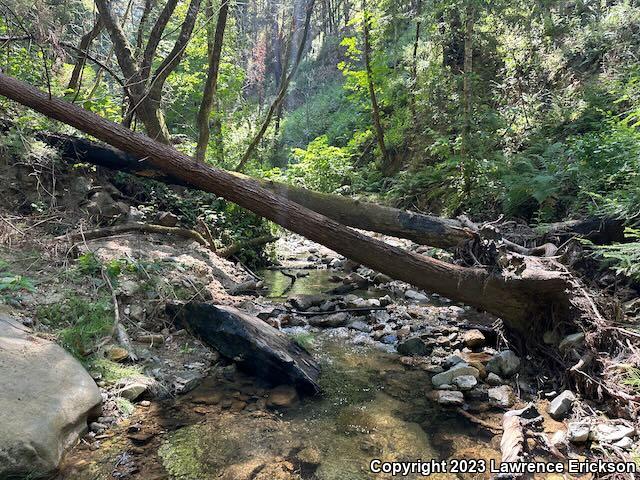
<point>45,398</point>
<point>256,346</point>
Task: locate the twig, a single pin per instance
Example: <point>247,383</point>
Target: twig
<point>478,421</point>
<point>118,329</point>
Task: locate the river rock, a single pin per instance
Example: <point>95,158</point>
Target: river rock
<point>505,363</point>
<point>360,326</point>
<point>46,397</point>
<point>502,396</point>
<point>465,382</point>
<point>494,380</point>
<point>415,296</point>
<point>561,405</point>
<point>282,396</point>
<point>611,433</point>
<point>578,432</point>
<point>255,346</point>
<point>448,397</point>
<point>305,302</point>
<point>455,371</point>
<point>473,338</point>
<point>413,347</point>
<point>330,321</point>
<point>166,219</point>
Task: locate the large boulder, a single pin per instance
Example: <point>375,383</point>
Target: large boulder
<point>256,346</point>
<point>46,397</point>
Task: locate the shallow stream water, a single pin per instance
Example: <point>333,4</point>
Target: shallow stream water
<point>371,407</point>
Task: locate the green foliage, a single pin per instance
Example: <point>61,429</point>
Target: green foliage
<point>112,372</point>
<point>81,322</point>
<point>632,378</point>
<point>11,284</point>
<point>623,258</point>
<point>320,167</point>
<point>305,339</point>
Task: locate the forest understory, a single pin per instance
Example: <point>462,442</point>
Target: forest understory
<point>387,231</point>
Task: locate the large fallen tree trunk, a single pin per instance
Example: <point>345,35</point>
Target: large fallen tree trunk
<point>536,288</point>
<point>423,229</point>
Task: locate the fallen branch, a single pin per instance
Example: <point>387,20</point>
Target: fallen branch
<point>118,329</point>
<point>135,227</point>
<point>478,421</point>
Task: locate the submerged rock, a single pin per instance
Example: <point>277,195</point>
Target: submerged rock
<point>257,347</point>
<point>45,399</point>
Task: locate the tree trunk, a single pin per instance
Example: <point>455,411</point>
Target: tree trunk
<point>83,50</point>
<point>539,289</point>
<point>211,84</point>
<point>423,229</point>
<point>375,108</point>
<point>467,161</point>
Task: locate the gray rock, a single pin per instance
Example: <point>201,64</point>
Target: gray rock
<point>505,363</point>
<point>304,302</point>
<point>452,360</point>
<point>465,382</point>
<point>360,326</point>
<point>45,399</point>
<point>131,389</point>
<point>330,321</point>
<point>256,347</point>
<point>186,382</point>
<point>413,347</point>
<point>578,432</point>
<point>449,397</point>
<point>558,439</point>
<point>415,296</point>
<point>561,405</point>
<point>571,341</point>
<point>389,339</point>
<point>626,443</point>
<point>611,433</point>
<point>502,396</point>
<point>494,380</point>
<point>166,219</point>
<point>455,371</point>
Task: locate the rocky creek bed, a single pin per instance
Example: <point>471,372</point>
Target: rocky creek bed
<point>404,375</point>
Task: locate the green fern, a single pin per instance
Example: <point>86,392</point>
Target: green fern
<point>623,258</point>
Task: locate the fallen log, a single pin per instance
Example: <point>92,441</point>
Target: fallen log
<point>423,229</point>
<point>258,348</point>
<point>520,294</point>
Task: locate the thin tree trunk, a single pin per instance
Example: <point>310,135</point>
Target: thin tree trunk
<point>375,108</point>
<point>83,49</point>
<point>414,67</point>
<point>519,299</point>
<point>467,161</point>
<point>281,94</point>
<point>211,84</point>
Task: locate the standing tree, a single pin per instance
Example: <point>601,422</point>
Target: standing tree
<point>145,83</point>
<point>211,85</point>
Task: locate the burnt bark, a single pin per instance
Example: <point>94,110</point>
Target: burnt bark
<point>534,289</point>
